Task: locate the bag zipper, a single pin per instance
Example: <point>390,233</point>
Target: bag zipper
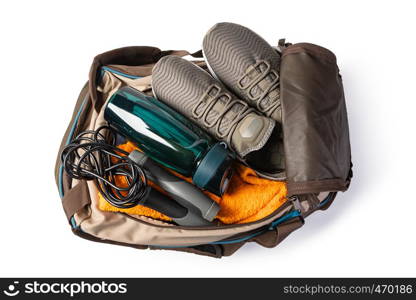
<point>276,212</point>
<point>108,69</point>
<point>257,232</point>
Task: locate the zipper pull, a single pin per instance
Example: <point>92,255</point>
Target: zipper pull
<point>296,203</point>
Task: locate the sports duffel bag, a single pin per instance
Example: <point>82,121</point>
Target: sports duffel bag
<point>316,152</point>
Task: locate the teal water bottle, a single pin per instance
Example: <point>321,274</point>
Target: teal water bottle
<point>170,139</point>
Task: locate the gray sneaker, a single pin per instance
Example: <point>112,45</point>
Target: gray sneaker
<point>246,64</point>
<point>197,95</point>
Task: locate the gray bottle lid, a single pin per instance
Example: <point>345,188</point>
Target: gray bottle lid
<point>214,171</point>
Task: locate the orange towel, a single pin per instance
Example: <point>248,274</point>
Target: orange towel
<point>249,198</point>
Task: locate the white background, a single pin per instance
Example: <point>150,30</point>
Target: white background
<point>46,50</point>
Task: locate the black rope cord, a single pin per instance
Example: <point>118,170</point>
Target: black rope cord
<point>92,155</point>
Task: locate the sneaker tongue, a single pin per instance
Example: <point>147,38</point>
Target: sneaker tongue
<point>251,133</point>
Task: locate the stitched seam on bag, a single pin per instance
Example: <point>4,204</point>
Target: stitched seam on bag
<point>330,58</point>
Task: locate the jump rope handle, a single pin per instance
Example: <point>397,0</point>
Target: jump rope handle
<point>169,207</point>
<point>183,192</point>
<point>188,206</point>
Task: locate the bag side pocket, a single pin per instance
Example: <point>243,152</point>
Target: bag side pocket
<point>315,124</point>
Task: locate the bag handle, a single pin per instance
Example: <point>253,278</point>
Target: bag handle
<point>130,56</point>
<point>182,53</point>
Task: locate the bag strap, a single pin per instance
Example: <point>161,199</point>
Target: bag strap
<point>76,199</point>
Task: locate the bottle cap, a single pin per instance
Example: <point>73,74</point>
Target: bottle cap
<point>214,171</point>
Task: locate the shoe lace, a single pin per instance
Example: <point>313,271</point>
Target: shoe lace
<point>250,82</point>
<point>208,100</point>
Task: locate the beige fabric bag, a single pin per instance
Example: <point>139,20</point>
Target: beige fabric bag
<point>132,66</point>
